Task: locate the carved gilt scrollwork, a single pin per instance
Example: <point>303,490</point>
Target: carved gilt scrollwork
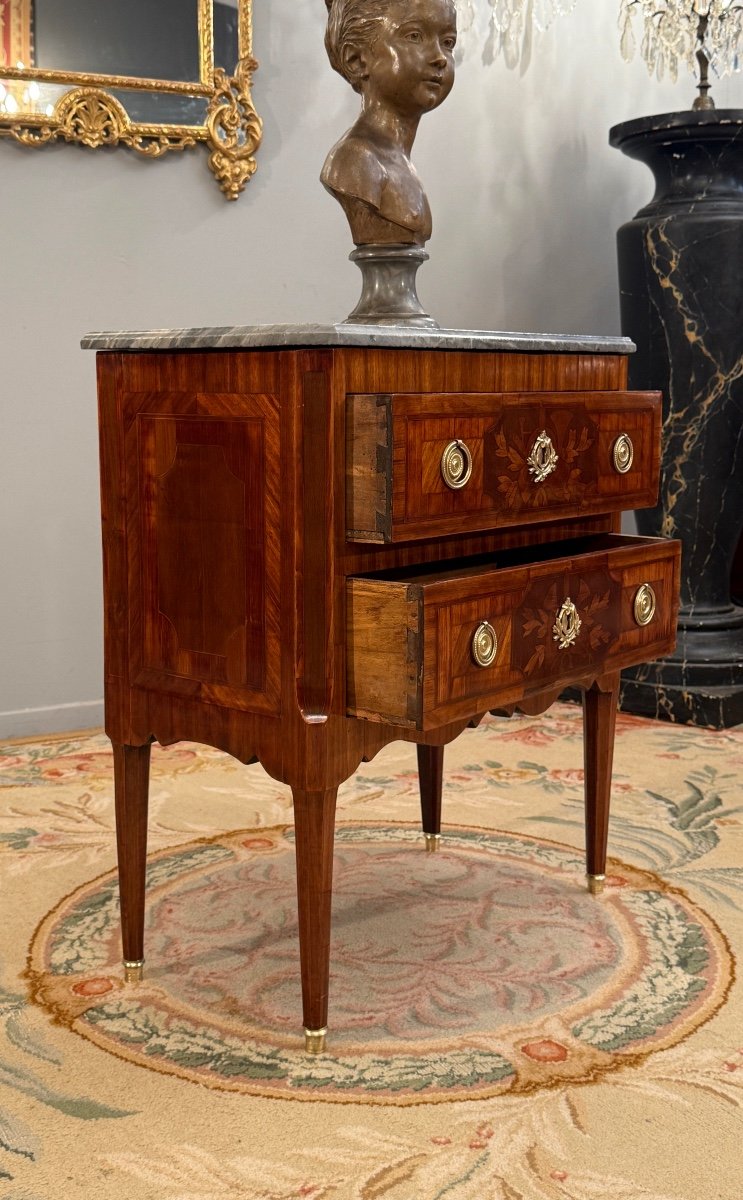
<point>234,129</point>
<point>93,118</point>
<point>90,115</point>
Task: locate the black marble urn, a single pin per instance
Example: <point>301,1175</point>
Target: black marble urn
<point>681,283</point>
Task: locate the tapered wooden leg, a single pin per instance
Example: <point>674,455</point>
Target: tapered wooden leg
<point>314,830</point>
<point>131,786</point>
<point>431,777</point>
<point>599,722</point>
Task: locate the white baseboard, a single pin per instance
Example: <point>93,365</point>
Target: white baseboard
<point>57,718</point>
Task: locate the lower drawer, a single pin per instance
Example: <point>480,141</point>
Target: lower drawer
<point>442,642</point>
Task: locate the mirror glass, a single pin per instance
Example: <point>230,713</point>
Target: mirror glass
<point>140,38</point>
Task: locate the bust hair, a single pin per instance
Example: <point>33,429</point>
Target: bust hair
<point>354,22</point>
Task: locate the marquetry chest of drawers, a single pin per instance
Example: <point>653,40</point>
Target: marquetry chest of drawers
<point>317,541</point>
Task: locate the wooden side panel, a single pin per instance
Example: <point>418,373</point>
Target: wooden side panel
<point>384,653</point>
<point>202,493</point>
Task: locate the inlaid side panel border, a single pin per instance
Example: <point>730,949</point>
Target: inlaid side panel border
<point>202,487</point>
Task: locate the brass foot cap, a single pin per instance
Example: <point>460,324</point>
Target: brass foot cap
<point>433,841</point>
<point>595,884</point>
<point>134,971</point>
<point>314,1040</point>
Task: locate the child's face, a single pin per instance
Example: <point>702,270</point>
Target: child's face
<point>410,67</point>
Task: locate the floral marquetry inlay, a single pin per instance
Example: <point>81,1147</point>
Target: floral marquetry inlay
<point>551,622</point>
<point>538,467</point>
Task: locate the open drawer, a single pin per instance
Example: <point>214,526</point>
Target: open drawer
<point>429,465</point>
<point>434,644</point>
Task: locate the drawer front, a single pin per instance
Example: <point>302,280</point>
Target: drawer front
<point>420,466</point>
<point>427,649</point>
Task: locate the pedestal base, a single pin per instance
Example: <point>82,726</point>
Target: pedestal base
<point>389,296</point>
<point>707,706</point>
<point>701,683</point>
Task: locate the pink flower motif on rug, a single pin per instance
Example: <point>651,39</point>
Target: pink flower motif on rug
<point>545,1051</point>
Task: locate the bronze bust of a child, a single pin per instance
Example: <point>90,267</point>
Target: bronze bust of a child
<point>399,55</point>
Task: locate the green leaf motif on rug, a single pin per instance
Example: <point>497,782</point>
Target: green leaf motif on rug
<point>674,974</point>
<point>79,941</point>
<point>225,1056</point>
<point>14,1138</point>
<point>18,839</point>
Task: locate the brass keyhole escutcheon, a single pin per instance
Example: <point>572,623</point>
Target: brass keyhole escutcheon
<point>456,465</point>
<point>484,644</point>
<point>623,453</point>
<point>567,625</point>
<point>543,458</point>
<point>645,604</point>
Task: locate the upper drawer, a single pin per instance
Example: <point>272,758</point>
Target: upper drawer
<point>430,645</point>
<point>427,465</point>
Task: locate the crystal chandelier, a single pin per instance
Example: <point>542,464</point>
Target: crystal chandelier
<point>681,31</point>
<point>513,22</point>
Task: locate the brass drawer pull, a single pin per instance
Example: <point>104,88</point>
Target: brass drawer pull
<point>456,465</point>
<point>543,458</point>
<point>644,604</point>
<point>567,625</point>
<point>484,644</point>
<point>623,453</point>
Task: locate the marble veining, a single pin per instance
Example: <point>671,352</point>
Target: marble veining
<point>393,336</point>
<point>695,397</point>
<point>682,296</point>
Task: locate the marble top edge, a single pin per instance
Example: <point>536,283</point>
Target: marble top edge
<point>298,336</point>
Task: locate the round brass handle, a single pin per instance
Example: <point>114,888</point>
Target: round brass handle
<point>623,453</point>
<point>543,459</point>
<point>456,465</point>
<point>644,604</point>
<point>567,625</point>
<point>484,644</point>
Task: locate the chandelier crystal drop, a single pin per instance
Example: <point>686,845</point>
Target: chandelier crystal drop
<point>676,32</point>
<point>513,22</point>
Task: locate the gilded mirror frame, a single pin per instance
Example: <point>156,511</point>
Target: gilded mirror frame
<point>89,115</point>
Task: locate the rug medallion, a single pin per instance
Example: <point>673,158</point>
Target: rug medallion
<point>484,969</point>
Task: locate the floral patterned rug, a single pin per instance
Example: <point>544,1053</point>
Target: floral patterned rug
<point>495,1031</point>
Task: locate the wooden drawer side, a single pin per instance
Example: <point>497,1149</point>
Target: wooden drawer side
<point>369,468</point>
<point>384,651</point>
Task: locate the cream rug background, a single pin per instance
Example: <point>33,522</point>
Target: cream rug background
<point>78,1122</point>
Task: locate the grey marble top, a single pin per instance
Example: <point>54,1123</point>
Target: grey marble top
<point>259,336</point>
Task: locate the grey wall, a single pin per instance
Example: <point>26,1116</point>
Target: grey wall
<point>526,196</point>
